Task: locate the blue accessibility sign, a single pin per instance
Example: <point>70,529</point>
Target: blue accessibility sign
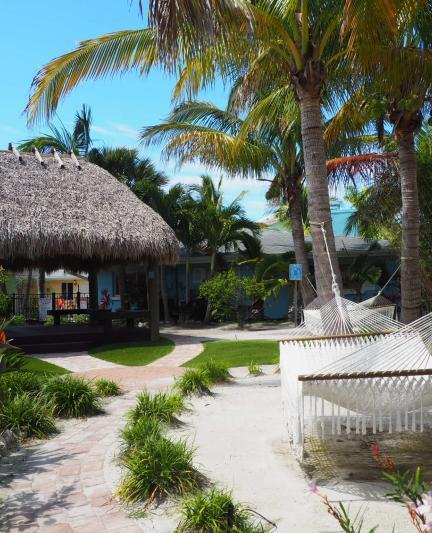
<point>295,272</point>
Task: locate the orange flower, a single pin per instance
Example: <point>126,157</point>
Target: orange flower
<point>3,338</point>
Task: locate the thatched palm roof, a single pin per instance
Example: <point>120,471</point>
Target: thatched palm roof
<point>56,217</point>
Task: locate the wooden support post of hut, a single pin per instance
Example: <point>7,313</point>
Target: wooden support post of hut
<point>105,226</point>
<point>153,282</point>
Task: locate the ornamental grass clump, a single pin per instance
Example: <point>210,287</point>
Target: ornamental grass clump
<point>72,396</point>
<point>28,416</point>
<point>136,434</point>
<point>193,382</point>
<point>162,406</point>
<point>14,384</point>
<point>254,369</point>
<point>214,511</point>
<point>216,371</point>
<point>107,387</point>
<point>158,469</point>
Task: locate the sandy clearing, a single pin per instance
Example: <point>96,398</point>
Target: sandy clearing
<point>241,444</point>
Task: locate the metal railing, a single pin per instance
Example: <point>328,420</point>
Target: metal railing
<point>35,306</point>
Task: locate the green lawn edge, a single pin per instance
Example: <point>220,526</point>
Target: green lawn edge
<point>133,353</point>
<point>33,364</point>
<point>237,353</point>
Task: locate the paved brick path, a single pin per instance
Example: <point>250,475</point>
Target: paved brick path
<point>76,362</point>
<point>59,485</point>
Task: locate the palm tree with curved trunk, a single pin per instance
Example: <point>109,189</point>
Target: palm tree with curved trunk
<point>201,131</point>
<point>290,42</point>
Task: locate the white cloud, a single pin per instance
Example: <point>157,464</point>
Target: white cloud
<point>104,131</point>
<point>128,131</point>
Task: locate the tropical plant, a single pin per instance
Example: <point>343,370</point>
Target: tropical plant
<point>107,387</point>
<point>11,359</point>
<point>61,139</point>
<point>401,95</point>
<point>162,405</point>
<point>254,369</point>
<point>226,291</point>
<point>200,131</point>
<point>215,371</point>
<point>136,434</point>
<point>17,383</point>
<point>28,416</point>
<point>385,222</point>
<point>363,269</point>
<point>192,382</point>
<point>157,469</point>
<point>72,396</point>
<point>215,511</point>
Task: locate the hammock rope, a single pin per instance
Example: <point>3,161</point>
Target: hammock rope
<point>353,368</point>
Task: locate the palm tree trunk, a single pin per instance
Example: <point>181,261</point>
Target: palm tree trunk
<point>164,296</point>
<point>299,245</point>
<point>187,272</point>
<point>410,255</point>
<point>318,196</point>
<point>212,273</point>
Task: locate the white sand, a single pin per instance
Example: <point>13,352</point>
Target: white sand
<point>241,445</point>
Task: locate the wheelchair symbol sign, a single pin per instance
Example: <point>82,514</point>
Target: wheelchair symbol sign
<point>295,272</point>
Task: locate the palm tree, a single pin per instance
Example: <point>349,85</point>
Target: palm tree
<point>223,226</point>
<point>386,222</point>
<point>294,43</point>
<point>61,139</point>
<point>201,131</point>
<point>402,93</point>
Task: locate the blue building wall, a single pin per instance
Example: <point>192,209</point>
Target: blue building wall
<point>340,212</point>
<point>275,307</point>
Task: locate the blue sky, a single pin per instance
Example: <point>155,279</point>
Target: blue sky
<point>33,32</point>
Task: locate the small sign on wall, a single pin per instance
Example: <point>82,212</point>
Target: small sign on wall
<point>45,305</point>
<point>295,272</point>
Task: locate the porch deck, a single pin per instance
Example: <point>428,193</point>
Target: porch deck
<point>33,339</point>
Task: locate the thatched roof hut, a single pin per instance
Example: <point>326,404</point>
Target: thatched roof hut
<point>73,214</point>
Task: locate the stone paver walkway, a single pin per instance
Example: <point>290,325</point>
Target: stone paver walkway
<point>186,348</point>
<point>76,362</point>
<point>61,485</point>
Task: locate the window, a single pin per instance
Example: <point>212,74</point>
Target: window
<point>67,291</point>
<point>198,275</point>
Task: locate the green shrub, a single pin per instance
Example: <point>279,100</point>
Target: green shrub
<point>16,383</point>
<point>254,369</point>
<point>81,319</point>
<point>17,320</point>
<point>159,468</point>
<point>193,382</point>
<point>214,511</point>
<point>107,387</point>
<point>162,406</point>
<point>216,371</point>
<point>72,396</point>
<point>28,416</point>
<point>135,435</point>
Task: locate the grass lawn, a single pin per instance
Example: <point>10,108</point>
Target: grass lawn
<point>237,353</point>
<point>37,365</point>
<point>133,353</point>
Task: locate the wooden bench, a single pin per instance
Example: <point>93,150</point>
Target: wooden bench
<point>58,313</point>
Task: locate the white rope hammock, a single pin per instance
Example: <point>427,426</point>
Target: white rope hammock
<point>353,368</point>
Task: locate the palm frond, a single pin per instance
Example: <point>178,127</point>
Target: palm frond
<point>109,54</point>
